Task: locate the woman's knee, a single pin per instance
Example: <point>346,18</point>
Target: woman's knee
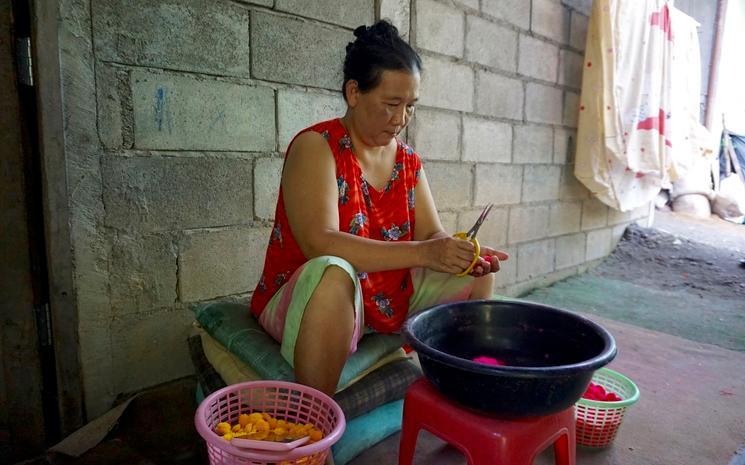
<point>336,279</point>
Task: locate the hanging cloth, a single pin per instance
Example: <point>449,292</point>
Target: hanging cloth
<point>624,149</point>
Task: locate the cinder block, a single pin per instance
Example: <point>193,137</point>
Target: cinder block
<point>570,69</point>
<point>498,184</point>
<point>350,13</point>
<point>490,44</point>
<point>148,349</point>
<point>439,28</point>
<point>535,259</point>
<point>543,104</point>
<point>594,214</point>
<point>499,96</point>
<point>493,232</point>
<point>541,182</point>
<point>533,144</point>
<point>113,90</point>
<point>150,194</point>
<point>190,35</point>
<point>446,85</point>
<point>486,141</point>
<point>617,217</point>
<point>578,30</point>
<point>516,12</point>
<point>565,218</point>
<point>564,143</point>
<point>583,6</point>
<point>471,4</point>
<point>436,134</point>
<point>398,12</point>
<point>142,272</point>
<point>571,188</point>
<point>268,3</point>
<point>570,250</point>
<point>571,109</point>
<point>176,112</point>
<point>616,235</point>
<point>267,176</point>
<point>538,58</point>
<point>598,244</point>
<point>528,223</point>
<point>450,183</point>
<point>550,19</point>
<point>507,273</point>
<point>296,110</point>
<point>541,281</point>
<point>297,51</point>
<point>214,263</point>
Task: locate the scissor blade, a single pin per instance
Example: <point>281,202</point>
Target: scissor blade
<point>482,217</point>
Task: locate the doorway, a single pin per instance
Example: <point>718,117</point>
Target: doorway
<point>29,412</point>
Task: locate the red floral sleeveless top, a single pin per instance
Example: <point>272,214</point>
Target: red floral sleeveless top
<point>385,215</point>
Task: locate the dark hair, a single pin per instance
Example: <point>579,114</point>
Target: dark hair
<point>377,48</point>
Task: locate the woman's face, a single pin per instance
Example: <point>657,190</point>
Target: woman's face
<point>383,112</point>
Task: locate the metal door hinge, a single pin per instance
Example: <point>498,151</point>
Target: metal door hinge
<point>24,61</point>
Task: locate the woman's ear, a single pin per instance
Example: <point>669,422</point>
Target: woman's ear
<point>352,91</point>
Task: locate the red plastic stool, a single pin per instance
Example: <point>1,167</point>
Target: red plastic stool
<point>483,440</point>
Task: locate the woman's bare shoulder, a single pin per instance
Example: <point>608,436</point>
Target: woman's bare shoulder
<point>309,144</point>
<point>309,154</point>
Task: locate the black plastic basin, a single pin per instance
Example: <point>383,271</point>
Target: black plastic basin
<point>550,355</point>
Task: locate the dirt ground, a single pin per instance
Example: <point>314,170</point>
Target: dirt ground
<point>672,262</point>
<point>681,277</point>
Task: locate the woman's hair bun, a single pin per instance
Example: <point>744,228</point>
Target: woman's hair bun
<point>380,30</point>
<point>377,48</point>
<point>360,30</point>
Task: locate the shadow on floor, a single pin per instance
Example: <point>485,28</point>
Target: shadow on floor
<point>156,429</point>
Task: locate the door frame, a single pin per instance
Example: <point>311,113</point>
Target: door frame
<point>62,297</point>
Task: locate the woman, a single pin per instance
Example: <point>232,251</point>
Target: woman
<point>357,243</point>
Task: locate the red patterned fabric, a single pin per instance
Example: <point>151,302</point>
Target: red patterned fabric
<point>385,215</point>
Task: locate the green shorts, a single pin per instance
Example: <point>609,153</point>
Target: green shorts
<point>282,316</point>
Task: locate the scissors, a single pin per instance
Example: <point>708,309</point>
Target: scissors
<point>470,236</point>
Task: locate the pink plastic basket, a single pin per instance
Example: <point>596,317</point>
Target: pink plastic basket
<point>283,400</point>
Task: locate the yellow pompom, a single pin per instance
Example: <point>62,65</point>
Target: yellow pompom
<point>222,428</point>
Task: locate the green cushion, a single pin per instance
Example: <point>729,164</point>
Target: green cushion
<point>234,327</point>
<point>367,430</point>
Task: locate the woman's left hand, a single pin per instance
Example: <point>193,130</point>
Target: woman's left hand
<point>489,262</point>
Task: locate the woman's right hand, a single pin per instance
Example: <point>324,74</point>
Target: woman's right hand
<point>447,254</point>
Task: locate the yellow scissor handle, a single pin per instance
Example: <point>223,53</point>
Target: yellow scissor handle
<point>476,252</point>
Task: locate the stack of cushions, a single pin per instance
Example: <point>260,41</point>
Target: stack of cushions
<point>231,348</point>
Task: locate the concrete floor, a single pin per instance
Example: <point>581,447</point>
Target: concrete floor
<point>692,405</point>
<point>691,410</point>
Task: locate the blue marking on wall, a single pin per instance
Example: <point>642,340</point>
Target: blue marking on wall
<point>162,113</point>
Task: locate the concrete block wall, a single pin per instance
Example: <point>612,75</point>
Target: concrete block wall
<point>497,122</point>
<point>178,112</point>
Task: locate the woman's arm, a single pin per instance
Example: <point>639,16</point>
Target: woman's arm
<point>427,221</point>
<point>310,195</point>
